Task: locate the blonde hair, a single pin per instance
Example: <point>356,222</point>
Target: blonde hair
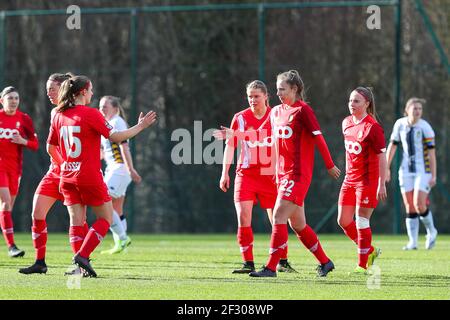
<point>258,84</point>
<point>292,77</point>
<point>411,101</point>
<point>115,102</point>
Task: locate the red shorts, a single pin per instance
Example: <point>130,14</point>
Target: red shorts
<point>361,196</point>
<point>254,188</point>
<point>49,187</point>
<point>11,181</point>
<point>294,191</point>
<point>89,195</point>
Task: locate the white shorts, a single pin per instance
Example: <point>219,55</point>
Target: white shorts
<point>117,181</point>
<point>418,181</point>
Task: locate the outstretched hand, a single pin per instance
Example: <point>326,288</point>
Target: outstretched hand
<point>147,120</point>
<point>223,134</point>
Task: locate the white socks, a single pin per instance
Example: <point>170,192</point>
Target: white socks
<point>412,228</point>
<point>427,220</point>
<point>117,228</point>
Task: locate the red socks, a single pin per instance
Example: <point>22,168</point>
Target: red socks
<point>39,235</point>
<point>310,240</point>
<point>245,240</point>
<point>94,237</point>
<point>6,223</point>
<point>351,232</point>
<point>278,245</point>
<point>77,235</point>
<point>364,246</point>
<point>284,254</point>
<point>85,228</point>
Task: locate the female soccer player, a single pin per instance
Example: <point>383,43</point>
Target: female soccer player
<point>119,171</point>
<point>16,132</point>
<point>46,194</point>
<point>365,176</point>
<point>254,179</point>
<point>296,132</point>
<point>76,129</point>
<point>417,173</point>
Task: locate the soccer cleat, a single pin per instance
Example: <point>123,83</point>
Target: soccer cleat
<point>358,271</point>
<point>77,271</point>
<point>375,254</point>
<point>126,242</point>
<point>324,269</point>
<point>118,247</point>
<point>263,273</point>
<point>247,267</point>
<point>84,263</point>
<point>284,266</point>
<point>15,252</point>
<point>409,247</point>
<point>35,268</point>
<point>431,240</point>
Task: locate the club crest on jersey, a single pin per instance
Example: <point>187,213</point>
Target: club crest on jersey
<point>7,133</point>
<point>291,117</point>
<point>267,142</point>
<point>353,147</point>
<point>17,124</point>
<point>283,132</point>
<point>360,134</point>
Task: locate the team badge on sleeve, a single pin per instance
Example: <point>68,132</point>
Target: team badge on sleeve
<point>108,125</point>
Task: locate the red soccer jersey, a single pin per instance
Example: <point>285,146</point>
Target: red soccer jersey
<point>363,142</point>
<point>11,153</point>
<point>294,129</point>
<point>254,155</point>
<point>77,132</point>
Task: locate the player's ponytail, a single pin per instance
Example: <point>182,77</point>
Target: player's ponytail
<point>69,90</point>
<point>367,93</point>
<point>292,77</point>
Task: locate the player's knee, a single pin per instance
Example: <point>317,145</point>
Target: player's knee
<point>5,205</point>
<point>342,222</point>
<point>298,227</point>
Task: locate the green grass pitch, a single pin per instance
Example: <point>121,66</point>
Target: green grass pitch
<point>190,267</point>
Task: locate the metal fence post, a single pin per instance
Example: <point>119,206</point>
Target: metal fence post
<point>2,48</point>
<point>262,42</point>
<point>133,83</point>
<point>397,93</point>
